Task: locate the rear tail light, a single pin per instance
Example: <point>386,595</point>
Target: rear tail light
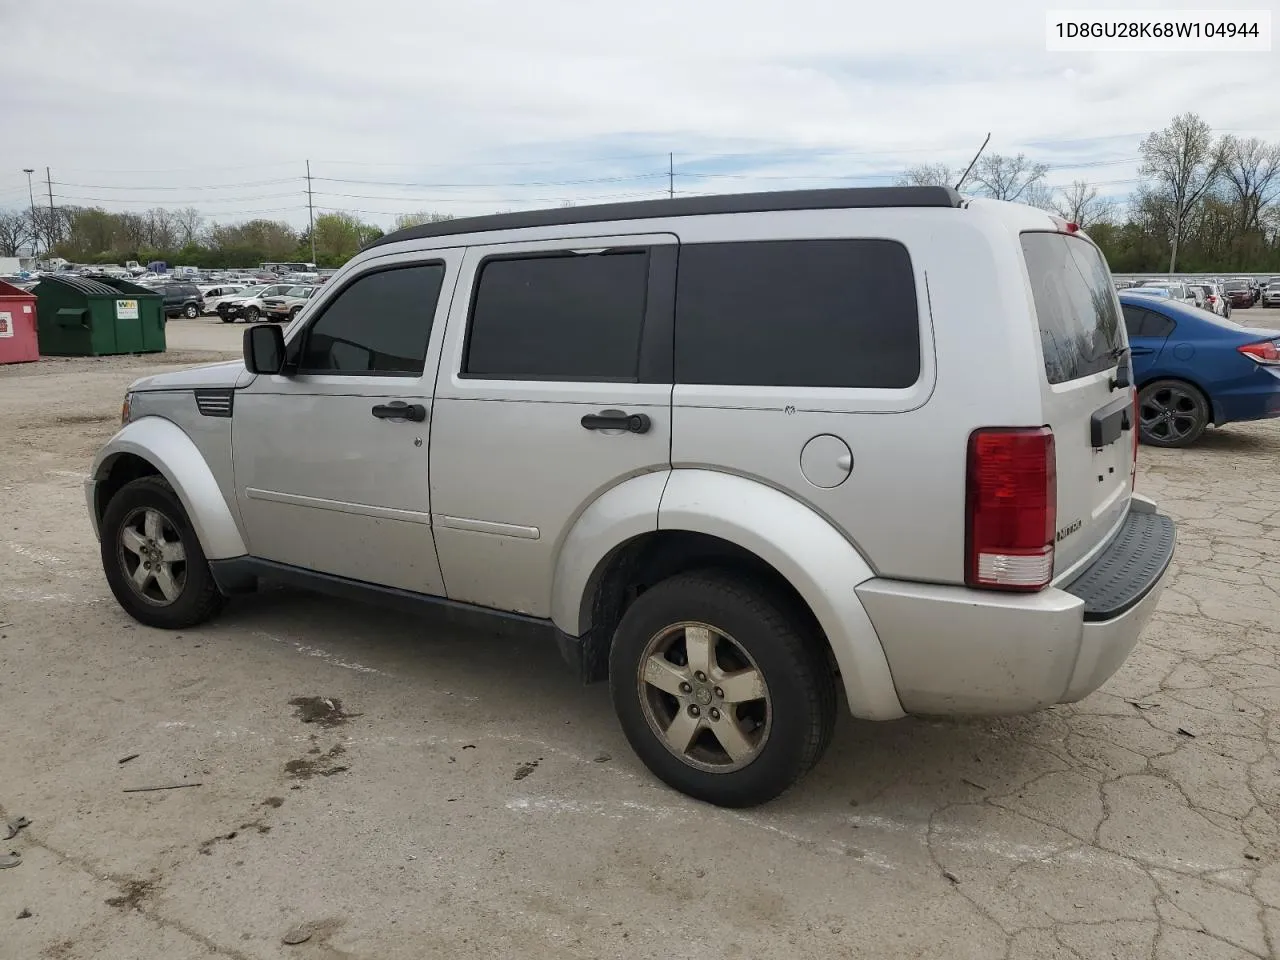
<point>1265,352</point>
<point>1011,508</point>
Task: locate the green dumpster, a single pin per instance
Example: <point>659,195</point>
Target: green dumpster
<point>86,317</point>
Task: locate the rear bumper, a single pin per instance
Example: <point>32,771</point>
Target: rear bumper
<point>1252,397</point>
<point>953,650</point>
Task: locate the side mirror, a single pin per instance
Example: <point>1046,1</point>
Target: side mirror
<point>264,348</point>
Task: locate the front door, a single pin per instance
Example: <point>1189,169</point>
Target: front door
<point>331,466</point>
<point>555,387</point>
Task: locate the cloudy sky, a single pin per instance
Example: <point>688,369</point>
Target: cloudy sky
<point>467,107</point>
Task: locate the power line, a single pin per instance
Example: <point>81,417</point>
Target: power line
<point>210,186</point>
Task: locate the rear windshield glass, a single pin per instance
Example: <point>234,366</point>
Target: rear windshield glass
<point>1080,328</point>
<point>1235,285</point>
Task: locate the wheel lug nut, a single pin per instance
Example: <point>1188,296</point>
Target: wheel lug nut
<point>693,710</point>
<point>719,693</point>
<point>715,714</point>
<point>701,677</point>
<point>685,688</point>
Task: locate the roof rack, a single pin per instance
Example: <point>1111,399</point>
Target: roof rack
<point>842,198</point>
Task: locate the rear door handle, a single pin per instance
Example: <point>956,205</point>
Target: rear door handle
<point>399,410</point>
<point>618,420</point>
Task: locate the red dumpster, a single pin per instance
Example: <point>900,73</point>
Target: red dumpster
<point>18,342</point>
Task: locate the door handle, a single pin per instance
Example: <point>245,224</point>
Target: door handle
<point>1141,351</point>
<point>617,420</point>
<point>399,410</point>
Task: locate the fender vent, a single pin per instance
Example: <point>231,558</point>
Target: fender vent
<point>215,403</point>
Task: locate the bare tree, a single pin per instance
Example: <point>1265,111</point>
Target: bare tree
<point>1252,170</point>
<point>1009,178</point>
<point>1080,203</point>
<point>1039,195</point>
<point>188,224</point>
<point>928,175</point>
<point>15,230</point>
<point>1185,163</point>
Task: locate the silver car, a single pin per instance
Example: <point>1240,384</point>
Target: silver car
<point>877,440</point>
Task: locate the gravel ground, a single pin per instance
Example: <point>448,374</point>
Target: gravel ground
<point>461,796</point>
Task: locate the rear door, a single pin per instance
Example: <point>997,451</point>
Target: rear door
<point>1147,332</point>
<point>554,387</point>
<point>1082,339</point>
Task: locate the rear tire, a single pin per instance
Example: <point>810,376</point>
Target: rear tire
<point>755,720</point>
<point>145,526</point>
<point>191,311</point>
<point>1171,413</point>
<point>227,318</point>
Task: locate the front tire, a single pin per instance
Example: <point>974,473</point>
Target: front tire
<point>722,688</point>
<point>153,560</point>
<point>252,315</point>
<point>1171,413</point>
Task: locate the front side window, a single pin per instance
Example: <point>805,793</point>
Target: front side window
<point>560,317</point>
<point>379,324</point>
<point>797,313</point>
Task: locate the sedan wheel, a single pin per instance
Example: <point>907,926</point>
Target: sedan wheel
<point>1171,413</point>
<point>191,311</point>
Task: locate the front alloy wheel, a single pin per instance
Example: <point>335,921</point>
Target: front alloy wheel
<point>152,557</point>
<point>151,554</point>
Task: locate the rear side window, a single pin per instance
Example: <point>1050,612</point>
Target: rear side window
<point>797,313</point>
<point>1080,327</point>
<point>378,325</point>
<point>561,317</point>
<point>1147,323</point>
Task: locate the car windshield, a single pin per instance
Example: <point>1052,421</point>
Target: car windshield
<point>1235,285</point>
<point>1153,291</point>
<point>297,292</point>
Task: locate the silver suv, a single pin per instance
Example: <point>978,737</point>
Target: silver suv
<point>734,454</point>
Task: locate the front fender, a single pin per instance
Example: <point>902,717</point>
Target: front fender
<point>810,553</point>
<point>166,447</point>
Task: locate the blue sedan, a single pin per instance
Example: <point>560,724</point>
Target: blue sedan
<point>1193,368</point>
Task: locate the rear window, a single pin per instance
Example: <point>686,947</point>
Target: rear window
<point>1235,285</point>
<point>1081,332</point>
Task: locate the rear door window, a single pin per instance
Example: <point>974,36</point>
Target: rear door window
<point>1076,307</point>
<point>797,313</point>
<point>573,317</point>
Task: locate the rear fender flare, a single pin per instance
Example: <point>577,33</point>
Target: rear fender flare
<point>166,447</point>
<point>813,556</point>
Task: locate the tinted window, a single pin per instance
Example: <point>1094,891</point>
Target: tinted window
<point>379,324</point>
<point>803,313</point>
<point>1075,305</point>
<point>564,317</point>
<point>1133,321</point>
<point>1147,323</point>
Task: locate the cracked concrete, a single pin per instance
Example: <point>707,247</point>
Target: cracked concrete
<point>1140,824</point>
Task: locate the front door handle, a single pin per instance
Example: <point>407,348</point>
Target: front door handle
<point>618,420</point>
<point>399,410</point>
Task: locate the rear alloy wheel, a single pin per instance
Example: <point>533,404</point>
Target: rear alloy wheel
<point>152,557</point>
<point>721,688</point>
<point>252,315</point>
<point>191,311</point>
<point>1171,413</point>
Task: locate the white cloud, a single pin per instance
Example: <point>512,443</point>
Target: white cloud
<point>216,100</point>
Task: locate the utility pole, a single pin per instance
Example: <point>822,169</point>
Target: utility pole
<point>311,214</point>
<point>32,197</point>
<point>53,218</point>
<point>671,174</point>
